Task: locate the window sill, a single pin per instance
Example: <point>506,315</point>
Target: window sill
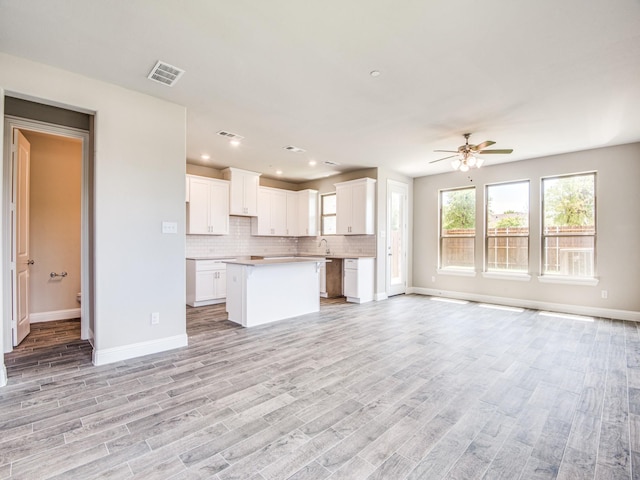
<point>521,277</point>
<point>461,272</point>
<point>590,282</point>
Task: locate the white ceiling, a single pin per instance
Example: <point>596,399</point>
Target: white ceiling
<point>541,77</point>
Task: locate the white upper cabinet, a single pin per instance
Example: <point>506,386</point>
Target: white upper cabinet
<point>307,225</point>
<point>243,191</point>
<point>272,213</point>
<point>208,206</point>
<point>355,207</point>
<point>292,214</point>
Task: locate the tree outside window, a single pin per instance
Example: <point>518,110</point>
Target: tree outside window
<point>569,225</point>
<point>457,228</point>
<point>507,227</point>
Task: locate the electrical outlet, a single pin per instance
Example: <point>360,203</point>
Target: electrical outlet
<point>604,294</point>
<point>155,318</point>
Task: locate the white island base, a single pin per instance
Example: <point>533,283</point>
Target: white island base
<point>264,291</point>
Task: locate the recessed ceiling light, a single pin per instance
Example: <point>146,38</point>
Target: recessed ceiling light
<point>278,172</point>
<point>312,163</point>
<point>234,142</point>
<point>374,73</point>
<point>205,156</point>
<point>330,163</point>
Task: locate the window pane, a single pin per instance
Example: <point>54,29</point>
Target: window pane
<point>508,209</point>
<point>329,225</point>
<point>459,212</point>
<point>569,205</point>
<point>508,253</point>
<point>457,252</point>
<point>329,204</point>
<point>569,255</point>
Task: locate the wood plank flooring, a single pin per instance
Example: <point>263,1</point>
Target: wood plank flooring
<point>407,388</point>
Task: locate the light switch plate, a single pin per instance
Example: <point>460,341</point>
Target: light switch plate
<point>169,227</point>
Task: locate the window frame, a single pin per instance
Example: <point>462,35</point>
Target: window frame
<point>503,273</point>
<point>324,215</point>
<point>456,270</point>
<point>550,277</point>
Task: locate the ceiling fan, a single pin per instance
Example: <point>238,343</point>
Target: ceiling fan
<point>465,156</point>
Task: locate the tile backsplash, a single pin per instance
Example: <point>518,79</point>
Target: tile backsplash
<point>240,242</point>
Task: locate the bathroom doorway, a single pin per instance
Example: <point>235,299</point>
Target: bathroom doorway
<point>54,230</point>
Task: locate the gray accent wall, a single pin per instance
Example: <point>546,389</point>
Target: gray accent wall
<point>617,243</point>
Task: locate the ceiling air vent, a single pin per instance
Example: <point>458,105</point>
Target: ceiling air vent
<point>329,162</point>
<point>293,149</point>
<point>229,135</point>
<point>165,74</point>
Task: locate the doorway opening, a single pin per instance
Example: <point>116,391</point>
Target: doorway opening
<point>46,219</point>
<point>397,237</point>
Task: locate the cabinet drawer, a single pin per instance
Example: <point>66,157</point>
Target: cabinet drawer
<point>351,263</point>
<point>208,265</point>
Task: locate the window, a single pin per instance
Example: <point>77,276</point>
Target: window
<point>507,227</point>
<point>569,225</point>
<point>457,228</point>
<point>328,214</point>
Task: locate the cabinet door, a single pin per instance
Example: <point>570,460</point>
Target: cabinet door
<point>219,208</point>
<point>344,206</point>
<point>221,284</point>
<point>359,209</point>
<point>308,213</point>
<point>293,226</point>
<point>350,284</point>
<point>278,213</point>
<point>250,184</point>
<point>198,208</point>
<point>205,285</point>
<point>262,221</point>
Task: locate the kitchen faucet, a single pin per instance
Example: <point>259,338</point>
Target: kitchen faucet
<point>327,251</point>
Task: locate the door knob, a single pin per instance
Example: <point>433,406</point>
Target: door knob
<point>30,262</point>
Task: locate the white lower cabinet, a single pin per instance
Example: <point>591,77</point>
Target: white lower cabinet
<point>206,282</point>
<point>357,284</point>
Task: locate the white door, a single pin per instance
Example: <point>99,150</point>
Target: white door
<point>397,217</point>
<point>21,164</point>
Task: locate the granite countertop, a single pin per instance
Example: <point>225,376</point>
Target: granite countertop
<point>274,261</point>
<point>213,257</point>
<point>331,255</point>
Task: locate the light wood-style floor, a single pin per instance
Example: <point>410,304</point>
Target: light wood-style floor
<point>407,388</point>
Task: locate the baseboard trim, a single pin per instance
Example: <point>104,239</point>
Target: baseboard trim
<point>380,296</point>
<point>532,304</point>
<point>51,316</point>
<point>116,354</point>
<point>3,375</point>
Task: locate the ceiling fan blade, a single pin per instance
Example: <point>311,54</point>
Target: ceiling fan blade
<point>448,151</point>
<point>482,146</point>
<point>440,159</point>
<point>504,150</point>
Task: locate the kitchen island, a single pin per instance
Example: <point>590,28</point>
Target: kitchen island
<point>266,290</point>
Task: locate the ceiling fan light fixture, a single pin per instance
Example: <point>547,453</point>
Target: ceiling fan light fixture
<point>464,167</point>
<point>471,160</point>
<point>479,162</point>
<point>455,164</point>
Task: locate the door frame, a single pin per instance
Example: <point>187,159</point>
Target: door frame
<point>391,184</point>
<point>11,123</point>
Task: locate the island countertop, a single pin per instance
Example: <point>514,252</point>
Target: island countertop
<point>274,261</point>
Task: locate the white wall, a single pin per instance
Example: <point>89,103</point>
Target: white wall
<point>618,231</point>
<point>139,182</point>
